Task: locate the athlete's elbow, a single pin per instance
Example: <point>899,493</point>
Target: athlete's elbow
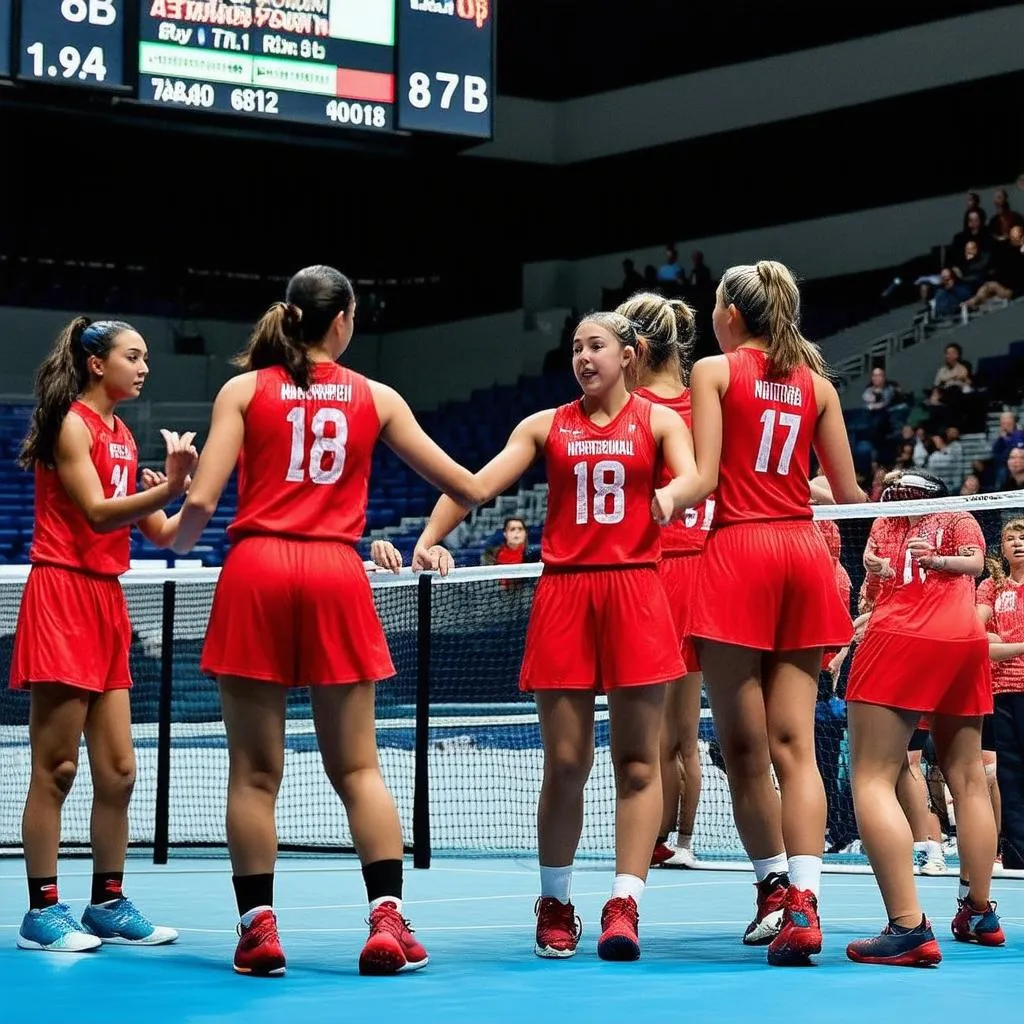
<point>469,493</point>
<point>99,519</point>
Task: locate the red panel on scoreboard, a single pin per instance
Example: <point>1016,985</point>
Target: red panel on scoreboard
<point>372,86</point>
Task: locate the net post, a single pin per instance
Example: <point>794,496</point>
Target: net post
<point>161,825</point>
<point>421,790</point>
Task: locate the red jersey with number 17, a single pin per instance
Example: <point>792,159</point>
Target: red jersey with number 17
<point>688,533</point>
<point>304,469</point>
<point>62,535</point>
<point>768,424</point>
<point>601,480</point>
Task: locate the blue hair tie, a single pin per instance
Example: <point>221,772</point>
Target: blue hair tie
<point>92,336</point>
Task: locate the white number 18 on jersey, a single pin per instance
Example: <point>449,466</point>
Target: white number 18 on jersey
<point>323,446</point>
<point>609,498</point>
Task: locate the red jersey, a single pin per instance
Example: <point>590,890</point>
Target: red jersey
<point>926,603</point>
<point>830,532</point>
<point>688,533</point>
<point>62,534</point>
<point>1007,620</point>
<point>304,469</point>
<point>768,425</point>
<point>601,480</point>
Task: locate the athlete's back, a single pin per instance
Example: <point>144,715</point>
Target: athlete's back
<point>304,469</point>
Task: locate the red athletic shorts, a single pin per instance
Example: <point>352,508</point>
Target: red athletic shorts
<point>73,628</point>
<point>912,673</point>
<point>770,586</point>
<point>295,612</point>
<point>679,578</point>
<point>600,629</point>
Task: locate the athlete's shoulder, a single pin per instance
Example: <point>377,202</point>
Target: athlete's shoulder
<point>986,591</point>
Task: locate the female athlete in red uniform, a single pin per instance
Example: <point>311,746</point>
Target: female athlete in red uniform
<point>769,602</point>
<point>665,335</point>
<point>924,652</point>
<point>73,634</point>
<point>600,619</point>
<point>293,604</point>
<point>1000,605</point>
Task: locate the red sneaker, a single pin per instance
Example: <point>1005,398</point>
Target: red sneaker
<point>662,852</point>
<point>800,936</point>
<point>259,949</point>
<point>620,925</point>
<point>771,900</point>
<point>391,947</point>
<point>558,929</point>
<point>980,926</point>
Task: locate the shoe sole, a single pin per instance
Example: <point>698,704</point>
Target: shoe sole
<point>24,943</point>
<point>765,931</point>
<point>787,957</point>
<point>981,940</point>
<point>274,972</point>
<point>550,953</point>
<point>618,949</point>
<point>926,955</point>
<point>383,963</point>
<point>119,940</point>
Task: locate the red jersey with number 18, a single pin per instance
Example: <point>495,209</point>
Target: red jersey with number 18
<point>600,483</point>
<point>688,533</point>
<point>768,424</point>
<point>62,535</point>
<point>304,470</point>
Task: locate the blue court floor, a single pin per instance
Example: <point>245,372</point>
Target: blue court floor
<point>476,919</point>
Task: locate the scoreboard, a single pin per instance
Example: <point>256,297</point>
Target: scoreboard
<point>410,66</point>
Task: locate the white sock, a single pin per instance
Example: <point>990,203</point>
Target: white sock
<point>684,842</point>
<point>628,885</point>
<point>250,915</point>
<point>777,865</point>
<point>556,883</point>
<point>805,873</point>
<point>920,847</point>
<point>934,849</point>
<point>374,904</point>
<point>963,890</point>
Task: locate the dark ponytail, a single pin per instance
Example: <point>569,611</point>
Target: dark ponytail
<point>288,330</point>
<point>63,376</point>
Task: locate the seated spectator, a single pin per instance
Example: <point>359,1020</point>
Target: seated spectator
<point>971,485</point>
<point>671,276</point>
<point>952,373</point>
<point>951,293</point>
<point>974,206</point>
<point>514,550</point>
<point>974,267</point>
<point>1003,217</point>
<point>1006,271</point>
<point>1010,436</point>
<point>700,276</point>
<point>1014,480</point>
<point>974,231</point>
<point>880,394</point>
<point>946,462</point>
<point>632,281</point>
<point>905,456</point>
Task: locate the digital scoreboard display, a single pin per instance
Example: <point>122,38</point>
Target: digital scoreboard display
<point>410,66</point>
<point>73,42</point>
<point>313,61</point>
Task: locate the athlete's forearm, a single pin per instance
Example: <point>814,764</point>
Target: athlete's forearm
<point>688,491</point>
<point>191,521</point>
<point>112,513</point>
<point>955,565</point>
<point>1004,652</point>
<point>445,517</point>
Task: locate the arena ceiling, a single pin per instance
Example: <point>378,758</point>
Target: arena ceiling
<point>560,49</point>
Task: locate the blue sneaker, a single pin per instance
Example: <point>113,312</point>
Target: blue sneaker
<point>55,930</point>
<point>898,947</point>
<point>120,922</point>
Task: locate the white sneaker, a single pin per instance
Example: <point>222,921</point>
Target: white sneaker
<point>681,858</point>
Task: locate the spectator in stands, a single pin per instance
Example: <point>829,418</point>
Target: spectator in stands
<point>700,276</point>
<point>946,460</point>
<point>974,206</point>
<point>905,456</point>
<point>1003,216</point>
<point>1010,436</point>
<point>514,550</point>
<point>632,281</point>
<point>671,276</point>
<point>973,231</point>
<point>558,359</point>
<point>880,394</point>
<point>971,485</point>
<point>1005,271</point>
<point>952,373</point>
<point>952,292</point>
<point>1014,480</point>
<point>974,266</point>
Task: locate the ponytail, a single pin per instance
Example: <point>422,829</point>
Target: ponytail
<point>768,299</point>
<point>62,377</point>
<point>686,336</point>
<point>276,341</point>
<point>667,328</point>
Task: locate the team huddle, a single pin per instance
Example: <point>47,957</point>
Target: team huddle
<point>679,516</point>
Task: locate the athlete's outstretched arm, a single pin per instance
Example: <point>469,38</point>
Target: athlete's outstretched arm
<point>407,439</point>
<point>832,445</point>
<point>523,446</point>
<point>220,453</point>
<point>78,474</point>
<point>708,382</point>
